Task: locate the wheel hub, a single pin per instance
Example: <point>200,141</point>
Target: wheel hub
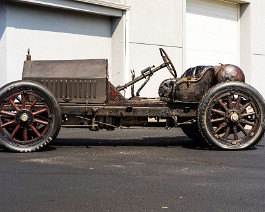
<point>24,118</point>
<point>234,117</point>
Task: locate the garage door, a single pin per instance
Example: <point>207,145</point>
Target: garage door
<point>212,34</point>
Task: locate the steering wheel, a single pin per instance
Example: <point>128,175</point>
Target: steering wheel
<point>168,63</point>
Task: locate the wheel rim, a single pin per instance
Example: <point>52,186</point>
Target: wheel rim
<point>234,118</point>
<point>24,117</point>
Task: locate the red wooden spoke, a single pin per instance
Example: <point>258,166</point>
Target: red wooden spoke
<point>222,104</point>
<point>39,111</point>
<point>229,102</point>
<point>244,107</point>
<point>15,131</point>
<point>221,126</point>
<point>8,113</point>
<point>235,133</point>
<point>248,114</point>
<point>13,104</point>
<point>219,112</point>
<point>227,132</point>
<point>242,129</point>
<point>238,102</point>
<point>23,101</point>
<point>8,123</point>
<point>247,122</point>
<point>35,130</point>
<point>33,104</point>
<point>25,134</point>
<point>217,120</point>
<point>40,121</point>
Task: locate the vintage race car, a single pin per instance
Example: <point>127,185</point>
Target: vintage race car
<point>210,103</point>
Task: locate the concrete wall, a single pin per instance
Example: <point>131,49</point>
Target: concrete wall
<point>118,65</point>
<point>252,44</point>
<point>53,34</point>
<point>245,40</point>
<point>130,40</point>
<point>257,18</point>
<point>152,26</point>
<point>3,45</point>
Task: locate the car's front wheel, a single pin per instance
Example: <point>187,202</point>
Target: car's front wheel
<point>231,116</point>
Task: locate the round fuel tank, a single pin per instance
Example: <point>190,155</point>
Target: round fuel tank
<point>229,73</point>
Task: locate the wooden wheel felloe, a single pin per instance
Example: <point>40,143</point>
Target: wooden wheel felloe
<point>231,116</point>
<point>29,116</point>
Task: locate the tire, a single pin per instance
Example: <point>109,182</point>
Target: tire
<point>193,132</point>
<point>30,116</point>
<point>231,116</point>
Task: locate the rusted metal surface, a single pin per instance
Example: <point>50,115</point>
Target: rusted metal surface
<point>190,87</point>
<point>165,90</point>
<point>182,110</point>
<point>109,117</point>
<point>229,73</point>
<point>145,73</point>
<point>149,71</point>
<point>114,95</point>
<point>82,89</point>
<point>76,81</point>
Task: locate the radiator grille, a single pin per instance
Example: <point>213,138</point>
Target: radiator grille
<point>77,90</point>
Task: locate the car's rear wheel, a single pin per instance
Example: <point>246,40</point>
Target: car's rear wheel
<point>231,116</point>
<point>30,116</point>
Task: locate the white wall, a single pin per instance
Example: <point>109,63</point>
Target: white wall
<point>117,73</point>
<point>151,26</point>
<point>54,34</point>
<point>3,47</point>
<point>258,45</point>
<point>62,34</point>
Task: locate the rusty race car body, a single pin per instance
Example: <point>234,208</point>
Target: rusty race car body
<point>211,104</point>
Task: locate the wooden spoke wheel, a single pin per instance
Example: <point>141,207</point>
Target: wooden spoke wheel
<point>231,116</point>
<point>29,116</point>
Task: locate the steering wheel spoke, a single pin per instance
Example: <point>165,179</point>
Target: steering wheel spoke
<point>168,63</point>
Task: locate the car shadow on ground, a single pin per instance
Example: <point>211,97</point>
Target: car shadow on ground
<point>181,141</point>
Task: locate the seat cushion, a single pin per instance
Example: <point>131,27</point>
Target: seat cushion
<point>190,87</point>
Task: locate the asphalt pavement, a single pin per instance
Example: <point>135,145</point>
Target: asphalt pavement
<point>132,170</point>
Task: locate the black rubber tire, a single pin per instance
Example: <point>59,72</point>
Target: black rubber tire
<point>228,97</point>
<point>52,122</point>
<point>193,132</point>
